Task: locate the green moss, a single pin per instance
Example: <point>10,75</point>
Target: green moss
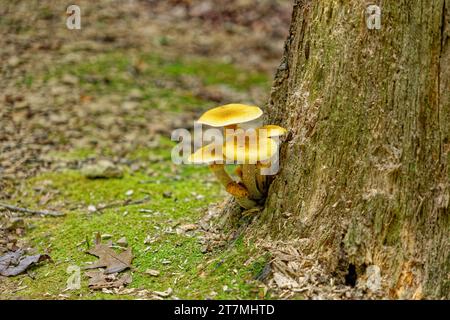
<point>216,73</point>
<point>188,273</point>
<point>117,73</point>
<point>162,84</point>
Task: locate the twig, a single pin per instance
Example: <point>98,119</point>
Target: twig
<point>123,203</point>
<point>28,211</point>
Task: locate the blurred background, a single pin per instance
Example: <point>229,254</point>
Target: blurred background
<point>136,70</point>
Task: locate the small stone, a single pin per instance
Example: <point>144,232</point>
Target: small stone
<point>151,272</point>
<point>284,282</point>
<point>129,193</point>
<point>102,169</point>
<point>204,248</point>
<point>92,208</point>
<point>129,105</point>
<point>122,242</point>
<point>13,61</point>
<point>164,294</point>
<point>167,194</point>
<point>69,79</point>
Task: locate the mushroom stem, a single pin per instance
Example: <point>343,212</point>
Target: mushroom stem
<point>220,173</point>
<point>240,193</point>
<point>261,180</point>
<point>249,173</point>
<point>229,127</point>
<point>238,171</point>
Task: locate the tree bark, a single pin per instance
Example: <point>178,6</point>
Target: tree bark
<point>365,167</point>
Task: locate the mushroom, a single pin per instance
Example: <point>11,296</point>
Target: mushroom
<point>249,153</point>
<point>214,158</point>
<point>230,115</point>
<point>271,130</point>
<point>241,194</point>
<point>238,172</point>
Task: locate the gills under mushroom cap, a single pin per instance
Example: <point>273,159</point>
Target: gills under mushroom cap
<point>230,114</point>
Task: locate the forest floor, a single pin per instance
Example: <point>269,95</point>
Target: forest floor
<point>114,91</point>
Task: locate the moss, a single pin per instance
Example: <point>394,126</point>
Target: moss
<point>161,81</point>
<point>216,73</point>
<point>188,273</point>
<point>118,73</point>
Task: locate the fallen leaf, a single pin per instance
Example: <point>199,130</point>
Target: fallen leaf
<point>284,282</point>
<point>186,228</point>
<point>110,259</point>
<point>14,263</point>
<point>99,280</point>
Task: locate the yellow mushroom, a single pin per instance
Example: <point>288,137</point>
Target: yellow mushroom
<point>238,172</point>
<point>241,194</point>
<point>230,115</point>
<point>212,155</point>
<point>269,130</point>
<point>248,152</point>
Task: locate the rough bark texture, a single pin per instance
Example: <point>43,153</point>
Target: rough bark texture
<point>365,168</point>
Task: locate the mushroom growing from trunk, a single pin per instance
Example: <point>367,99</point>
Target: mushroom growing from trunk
<point>248,153</point>
<point>214,159</point>
<point>212,155</point>
<point>266,131</point>
<point>229,117</point>
<point>241,194</point>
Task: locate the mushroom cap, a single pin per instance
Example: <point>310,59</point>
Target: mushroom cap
<point>273,130</point>
<point>230,114</point>
<point>250,151</point>
<point>207,154</point>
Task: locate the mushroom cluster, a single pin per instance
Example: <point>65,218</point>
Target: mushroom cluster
<point>251,149</point>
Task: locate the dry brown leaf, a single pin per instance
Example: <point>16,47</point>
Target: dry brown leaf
<point>14,263</point>
<point>100,280</point>
<point>110,259</point>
